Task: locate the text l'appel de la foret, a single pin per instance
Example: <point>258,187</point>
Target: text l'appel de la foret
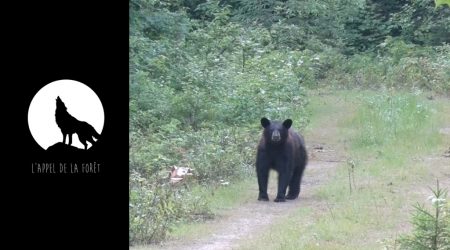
<point>65,168</point>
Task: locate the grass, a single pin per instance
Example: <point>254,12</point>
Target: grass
<point>221,200</point>
<point>368,201</point>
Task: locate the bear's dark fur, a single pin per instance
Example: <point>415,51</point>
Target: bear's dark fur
<point>283,150</point>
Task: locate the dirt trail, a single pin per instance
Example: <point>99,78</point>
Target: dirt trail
<point>326,153</point>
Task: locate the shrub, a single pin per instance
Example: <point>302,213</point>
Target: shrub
<point>431,227</point>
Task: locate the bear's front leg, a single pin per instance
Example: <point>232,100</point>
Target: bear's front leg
<point>283,180</point>
<point>262,171</point>
<point>263,178</point>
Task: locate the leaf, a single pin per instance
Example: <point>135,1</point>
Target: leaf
<point>442,2</point>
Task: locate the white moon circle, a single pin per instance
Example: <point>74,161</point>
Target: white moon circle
<point>81,102</point>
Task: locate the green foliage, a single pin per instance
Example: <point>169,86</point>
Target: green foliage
<point>299,22</point>
<point>396,65</point>
<point>155,206</point>
<point>221,154</point>
<point>431,228</point>
<point>263,12</point>
<point>366,29</point>
<point>442,3</point>
<point>421,23</point>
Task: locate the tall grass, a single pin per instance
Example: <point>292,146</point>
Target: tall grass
<point>391,118</point>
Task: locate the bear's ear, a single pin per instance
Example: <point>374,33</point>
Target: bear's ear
<point>287,123</point>
<point>265,122</point>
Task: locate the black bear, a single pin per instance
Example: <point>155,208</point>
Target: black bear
<point>281,149</point>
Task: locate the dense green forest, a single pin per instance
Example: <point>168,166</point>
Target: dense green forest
<point>203,73</point>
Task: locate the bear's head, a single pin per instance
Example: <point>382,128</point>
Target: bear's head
<point>275,132</point>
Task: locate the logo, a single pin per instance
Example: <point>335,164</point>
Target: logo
<point>66,116</point>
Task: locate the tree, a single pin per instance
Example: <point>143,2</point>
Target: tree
<point>420,22</point>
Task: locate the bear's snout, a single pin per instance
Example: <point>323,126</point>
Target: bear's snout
<point>276,137</point>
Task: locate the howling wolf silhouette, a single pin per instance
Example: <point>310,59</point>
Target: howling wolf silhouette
<point>70,125</point>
